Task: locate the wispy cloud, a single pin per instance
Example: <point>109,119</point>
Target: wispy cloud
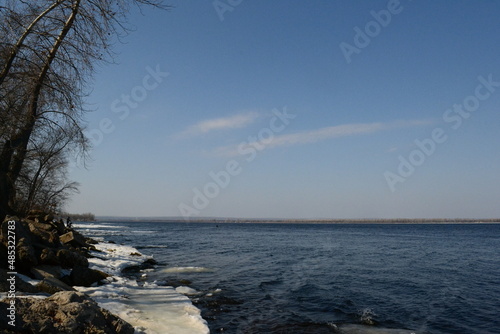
<point>313,136</point>
<point>392,149</point>
<point>223,123</point>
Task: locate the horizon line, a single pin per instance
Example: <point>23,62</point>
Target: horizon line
<point>287,220</point>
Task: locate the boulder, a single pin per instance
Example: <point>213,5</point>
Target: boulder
<point>63,312</point>
<point>135,269</point>
<point>83,276</point>
<point>74,239</point>
<point>91,241</point>
<point>44,234</point>
<point>22,230</point>
<point>26,257</point>
<point>44,271</point>
<point>52,285</point>
<point>20,284</point>
<point>59,226</point>
<point>40,225</point>
<point>48,218</point>
<point>40,217</point>
<point>69,259</point>
<point>48,257</point>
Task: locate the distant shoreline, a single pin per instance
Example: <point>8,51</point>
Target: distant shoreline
<point>301,221</point>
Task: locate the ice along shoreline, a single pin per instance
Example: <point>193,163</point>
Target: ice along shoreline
<point>60,270</point>
<point>148,306</point>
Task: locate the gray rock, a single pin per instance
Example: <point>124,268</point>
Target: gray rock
<point>40,225</point>
<point>59,226</point>
<point>83,276</point>
<point>47,237</point>
<point>70,259</point>
<point>35,215</point>
<point>63,312</point>
<point>26,257</point>
<point>44,271</point>
<point>74,239</point>
<point>52,285</point>
<point>91,241</point>
<point>20,284</point>
<point>48,257</point>
<point>48,218</point>
<point>22,230</point>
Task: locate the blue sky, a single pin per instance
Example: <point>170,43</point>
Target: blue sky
<point>294,125</point>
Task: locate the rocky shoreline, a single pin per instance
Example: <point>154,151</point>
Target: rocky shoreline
<point>57,256</point>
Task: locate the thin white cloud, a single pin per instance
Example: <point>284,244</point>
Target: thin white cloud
<point>223,123</point>
<point>313,136</point>
<point>392,149</point>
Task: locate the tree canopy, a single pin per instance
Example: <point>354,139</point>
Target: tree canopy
<point>48,53</point>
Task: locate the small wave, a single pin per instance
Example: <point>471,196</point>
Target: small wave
<point>186,270</point>
<point>266,284</point>
<point>103,233</point>
<point>363,329</point>
<point>151,246</point>
<point>366,316</point>
<point>98,226</point>
<point>294,327</point>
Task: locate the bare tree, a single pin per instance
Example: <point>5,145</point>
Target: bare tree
<point>43,180</point>
<point>48,53</point>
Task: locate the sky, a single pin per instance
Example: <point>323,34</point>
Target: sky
<point>298,109</point>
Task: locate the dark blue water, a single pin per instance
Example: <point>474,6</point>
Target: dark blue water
<point>284,278</point>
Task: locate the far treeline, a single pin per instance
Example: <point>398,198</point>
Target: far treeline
<point>48,52</point>
<point>82,217</point>
<point>334,221</point>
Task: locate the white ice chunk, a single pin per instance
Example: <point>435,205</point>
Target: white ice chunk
<point>185,290</point>
<point>362,329</point>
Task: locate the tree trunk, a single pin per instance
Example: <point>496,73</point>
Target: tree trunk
<point>14,150</point>
<point>5,182</point>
